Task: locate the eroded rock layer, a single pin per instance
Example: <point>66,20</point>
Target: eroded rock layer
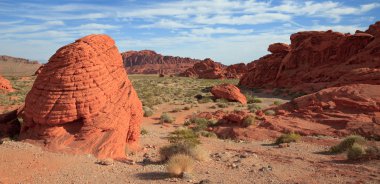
<point>83,102</point>
<point>149,62</point>
<point>317,60</point>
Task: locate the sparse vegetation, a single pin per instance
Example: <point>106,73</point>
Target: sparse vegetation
<point>144,132</point>
<point>222,105</point>
<point>186,108</point>
<point>347,144</point>
<point>184,136</point>
<point>180,163</point>
<point>288,138</point>
<point>277,102</point>
<point>355,152</point>
<point>249,120</point>
<point>253,107</point>
<point>270,112</point>
<point>147,111</point>
<point>166,118</point>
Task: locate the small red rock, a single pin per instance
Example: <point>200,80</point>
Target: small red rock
<point>229,92</point>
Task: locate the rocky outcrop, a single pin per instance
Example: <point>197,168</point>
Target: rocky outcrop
<point>235,71</point>
<point>149,62</point>
<point>209,69</point>
<point>345,110</point>
<point>83,102</point>
<point>206,69</point>
<point>39,70</point>
<point>229,92</point>
<point>317,60</point>
<point>5,85</point>
<point>278,48</point>
<point>4,58</point>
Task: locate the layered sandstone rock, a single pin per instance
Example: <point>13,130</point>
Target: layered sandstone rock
<point>39,70</point>
<point>278,47</point>
<point>229,92</point>
<point>149,62</point>
<point>206,69</point>
<point>345,110</point>
<point>235,71</point>
<point>83,101</point>
<point>5,85</point>
<point>319,59</point>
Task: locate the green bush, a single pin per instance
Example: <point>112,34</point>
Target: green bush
<point>249,120</point>
<point>288,138</point>
<point>143,131</point>
<point>347,143</point>
<point>184,136</point>
<point>355,152</point>
<point>270,112</point>
<point>253,107</point>
<point>166,118</point>
<point>186,108</point>
<point>277,103</point>
<point>222,105</point>
<point>147,111</point>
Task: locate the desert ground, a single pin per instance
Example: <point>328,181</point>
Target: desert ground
<point>225,160</point>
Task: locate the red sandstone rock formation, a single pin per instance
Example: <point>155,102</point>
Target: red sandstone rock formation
<point>345,110</point>
<point>149,62</point>
<point>229,92</point>
<point>319,59</point>
<point>5,85</point>
<point>83,101</point>
<point>39,70</point>
<point>206,69</point>
<point>278,48</point>
<point>236,71</point>
<point>209,69</point>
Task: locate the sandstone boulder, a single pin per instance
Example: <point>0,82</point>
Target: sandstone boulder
<point>278,48</point>
<point>229,92</point>
<point>83,102</point>
<point>335,111</point>
<point>5,85</point>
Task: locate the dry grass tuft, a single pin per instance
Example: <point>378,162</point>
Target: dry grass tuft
<point>179,164</point>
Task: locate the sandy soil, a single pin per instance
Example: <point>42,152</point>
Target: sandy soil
<point>230,161</point>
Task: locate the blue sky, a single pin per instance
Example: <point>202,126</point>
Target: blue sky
<point>224,30</point>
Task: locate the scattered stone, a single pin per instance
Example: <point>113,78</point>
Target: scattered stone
<point>186,176</point>
<point>205,181</point>
<point>105,162</point>
<point>284,145</point>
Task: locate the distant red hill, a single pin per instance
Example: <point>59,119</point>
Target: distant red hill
<point>150,62</point>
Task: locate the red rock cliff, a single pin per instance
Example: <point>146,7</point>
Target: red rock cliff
<point>317,60</point>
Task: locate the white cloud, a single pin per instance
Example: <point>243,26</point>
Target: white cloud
<point>220,30</point>
<point>167,24</point>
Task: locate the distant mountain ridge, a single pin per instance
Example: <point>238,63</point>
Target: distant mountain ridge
<point>15,66</point>
<point>150,62</point>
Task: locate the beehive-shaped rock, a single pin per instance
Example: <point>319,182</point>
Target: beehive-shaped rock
<point>83,102</point>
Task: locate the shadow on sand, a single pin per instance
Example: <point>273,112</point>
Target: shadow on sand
<point>153,176</point>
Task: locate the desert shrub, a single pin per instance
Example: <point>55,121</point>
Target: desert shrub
<point>176,110</point>
<point>201,123</point>
<point>288,138</point>
<point>197,152</point>
<point>186,108</point>
<point>355,152</point>
<point>249,120</point>
<point>166,118</point>
<point>147,111</point>
<point>213,107</point>
<point>257,100</point>
<point>221,100</point>
<point>222,105</point>
<point>143,131</point>
<point>347,143</point>
<point>277,102</point>
<point>184,136</point>
<point>205,99</point>
<point>179,164</point>
<point>270,112</point>
<point>207,134</point>
<point>253,107</point>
